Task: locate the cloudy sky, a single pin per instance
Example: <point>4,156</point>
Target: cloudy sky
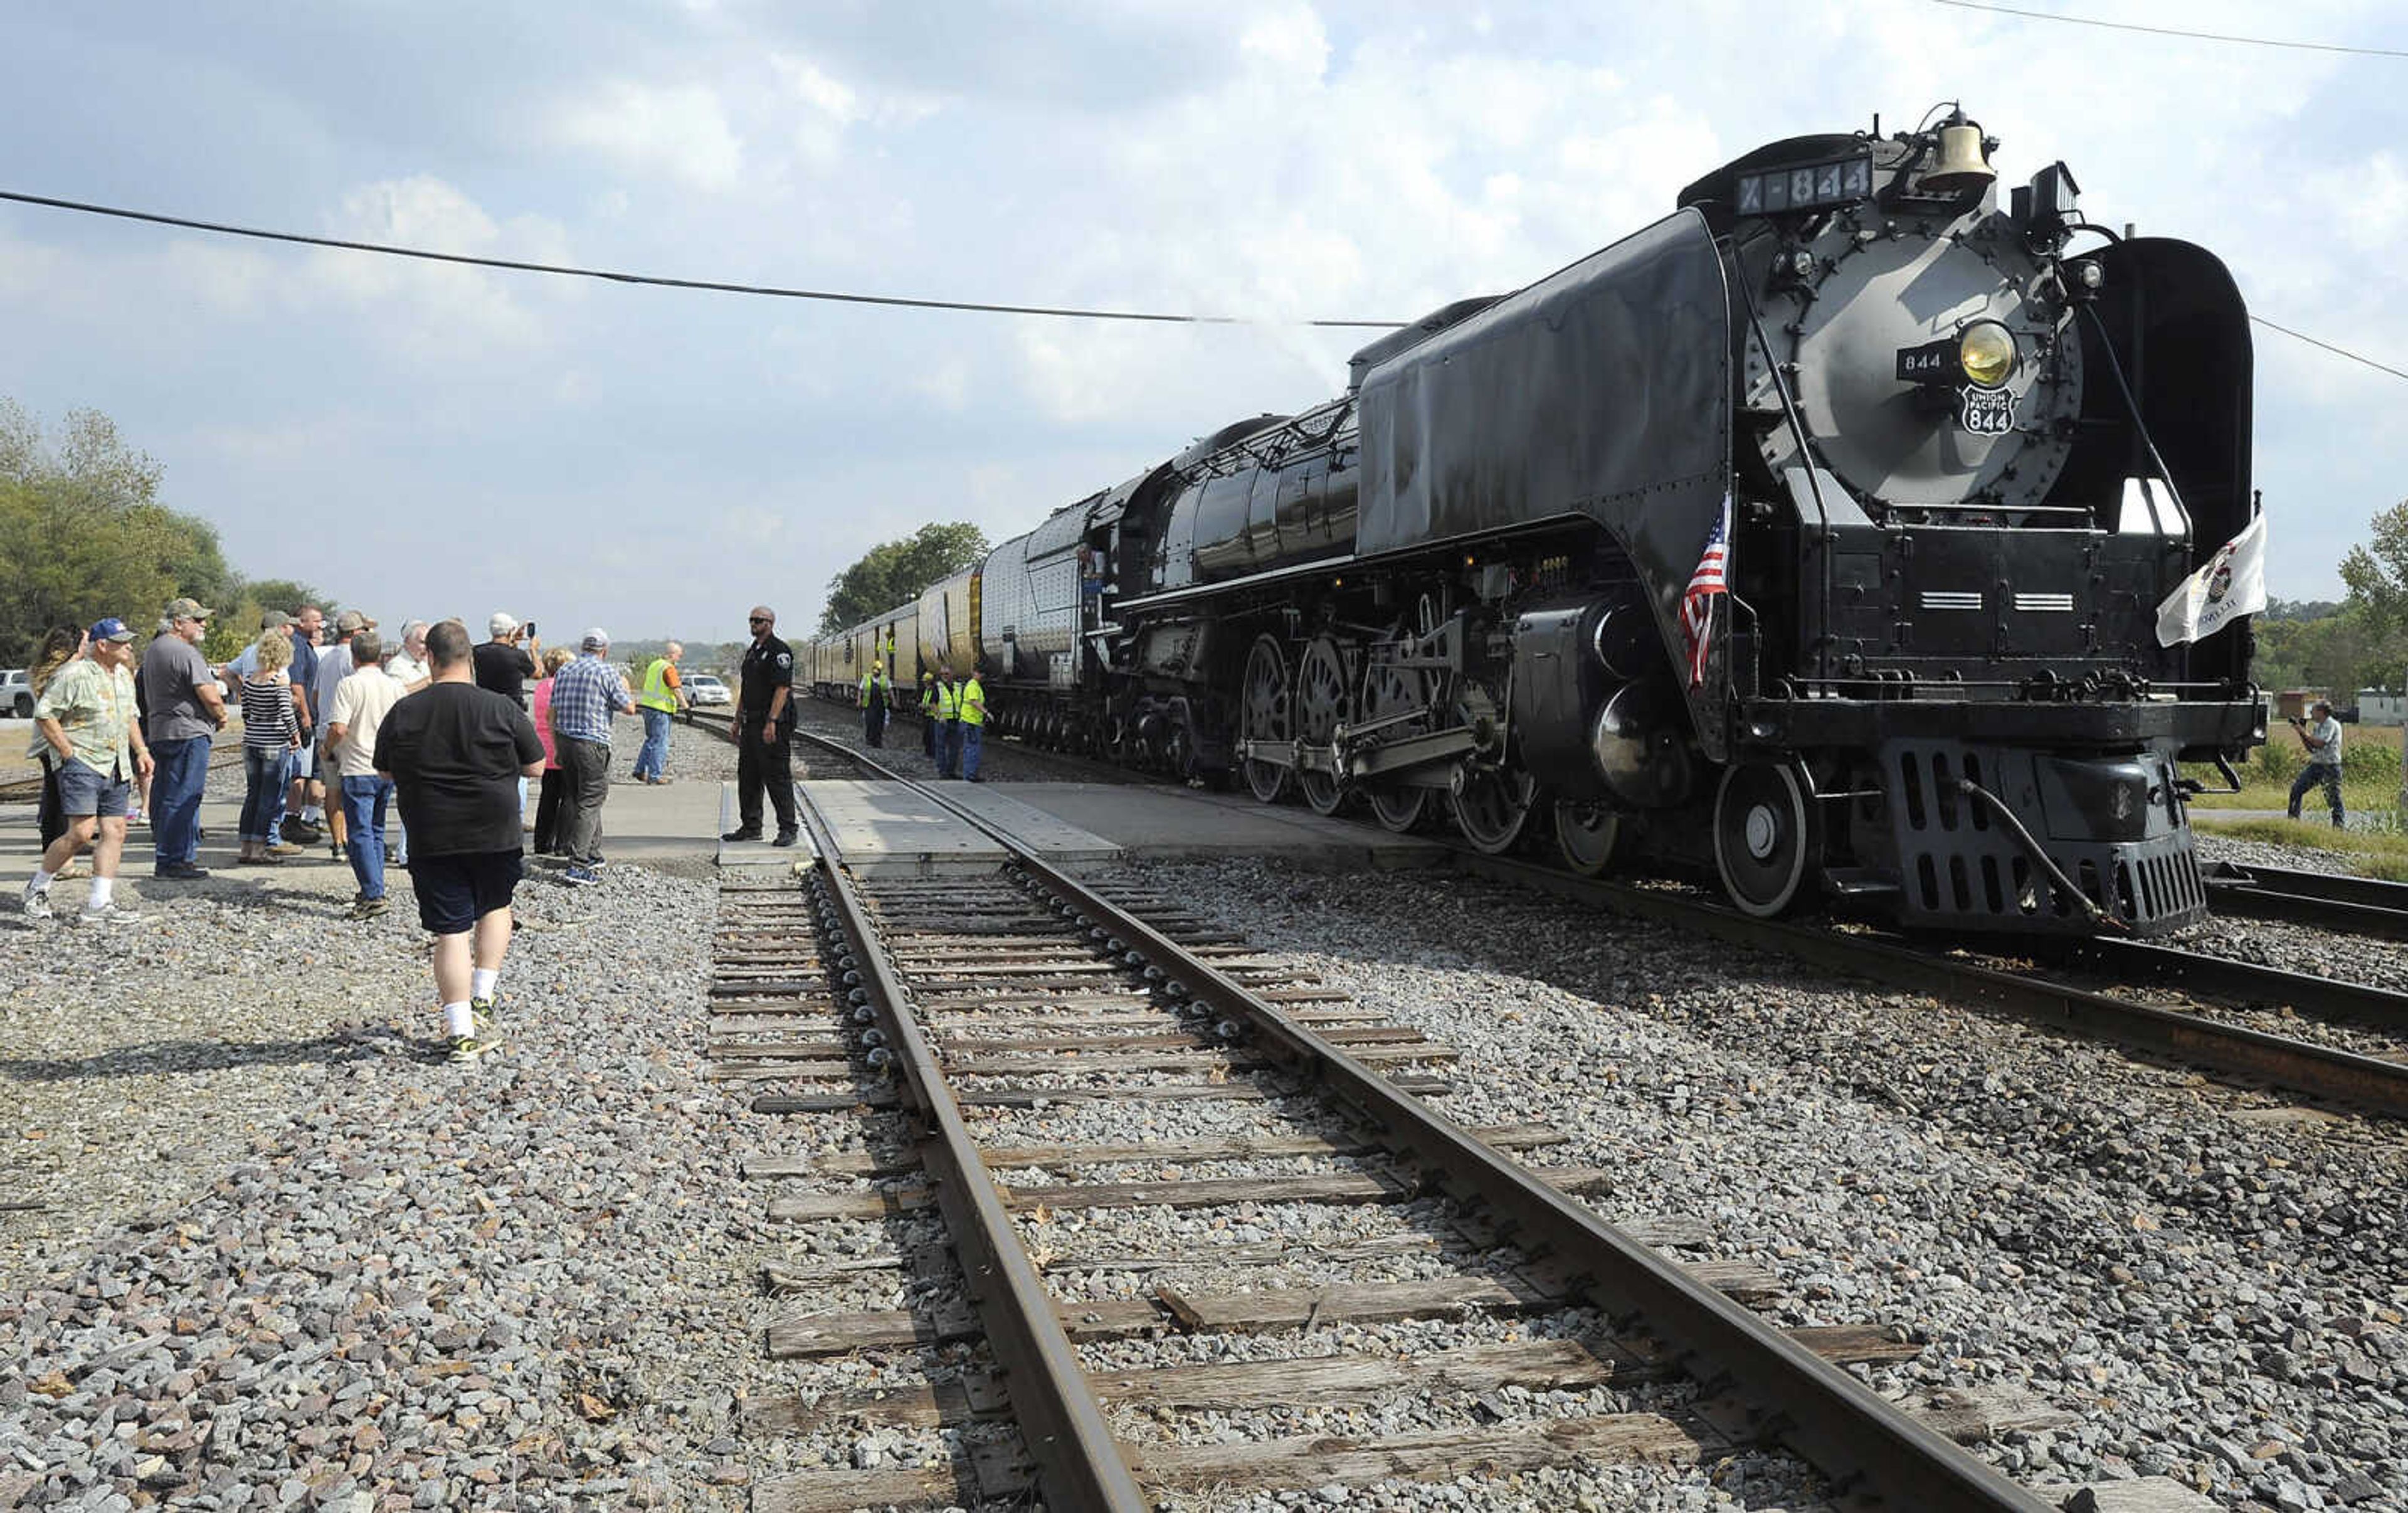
<point>425,440</point>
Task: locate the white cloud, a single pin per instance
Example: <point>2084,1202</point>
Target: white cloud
<point>433,310</point>
<point>680,131</point>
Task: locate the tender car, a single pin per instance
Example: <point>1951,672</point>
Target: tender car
<point>16,693</point>
<point>703,688</point>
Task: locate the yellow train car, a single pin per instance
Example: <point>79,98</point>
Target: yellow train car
<point>948,616</point>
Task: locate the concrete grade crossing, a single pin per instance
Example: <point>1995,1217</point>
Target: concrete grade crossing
<point>896,829</point>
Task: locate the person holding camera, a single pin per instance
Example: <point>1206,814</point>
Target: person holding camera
<point>503,663</point>
<point>2322,740</point>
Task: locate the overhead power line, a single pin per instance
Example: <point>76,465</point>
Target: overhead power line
<point>2172,31</point>
<point>709,285</point>
<point>2338,351</point>
<point>716,286</point>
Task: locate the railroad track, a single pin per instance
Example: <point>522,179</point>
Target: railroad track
<point>2368,1083</point>
<point>27,788</point>
<point>975,1009</point>
<point>2371,1083</point>
<point>2350,906</point>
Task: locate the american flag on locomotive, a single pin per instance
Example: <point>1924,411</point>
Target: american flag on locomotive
<point>1697,602</point>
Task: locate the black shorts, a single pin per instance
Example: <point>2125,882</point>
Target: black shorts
<point>454,892</point>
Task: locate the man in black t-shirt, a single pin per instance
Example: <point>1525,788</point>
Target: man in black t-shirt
<point>765,722</point>
<point>506,663</point>
<point>458,756</point>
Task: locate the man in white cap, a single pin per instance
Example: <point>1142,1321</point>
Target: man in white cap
<point>506,660</point>
<point>505,663</point>
<point>585,695</point>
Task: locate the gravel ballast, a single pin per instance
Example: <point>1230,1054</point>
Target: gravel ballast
<point>286,1255</point>
<point>2212,1282</point>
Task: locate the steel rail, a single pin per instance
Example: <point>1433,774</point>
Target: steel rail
<point>1865,1444</point>
<point>2331,887</point>
<point>2355,906</point>
<point>1078,1462</point>
<point>2363,1082</point>
<point>2324,996</point>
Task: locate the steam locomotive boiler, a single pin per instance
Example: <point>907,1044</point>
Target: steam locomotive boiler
<point>1813,535</point>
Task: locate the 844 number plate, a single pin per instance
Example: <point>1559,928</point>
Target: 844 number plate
<point>1986,411</point>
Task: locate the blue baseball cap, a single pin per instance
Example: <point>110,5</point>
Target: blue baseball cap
<point>111,628</point>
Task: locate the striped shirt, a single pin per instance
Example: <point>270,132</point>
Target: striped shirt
<point>267,718</point>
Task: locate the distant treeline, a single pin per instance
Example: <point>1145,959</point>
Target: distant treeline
<point>84,535</point>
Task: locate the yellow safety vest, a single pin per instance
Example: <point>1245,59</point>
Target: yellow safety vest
<point>657,693</point>
<point>948,706</point>
<point>973,702</point>
<point>871,681</point>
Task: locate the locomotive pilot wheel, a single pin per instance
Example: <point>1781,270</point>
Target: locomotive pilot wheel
<point>1589,836</point>
<point>1767,836</point>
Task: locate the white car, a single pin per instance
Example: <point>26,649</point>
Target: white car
<point>702,688</point>
<point>16,693</point>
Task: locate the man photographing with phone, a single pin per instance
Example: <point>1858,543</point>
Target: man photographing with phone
<point>2321,739</point>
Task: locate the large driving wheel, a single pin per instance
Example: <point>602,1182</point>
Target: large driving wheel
<point>1388,691</point>
<point>1264,714</point>
<point>1589,836</point>
<point>1493,808</point>
<point>1767,836</point>
<point>1322,703</point>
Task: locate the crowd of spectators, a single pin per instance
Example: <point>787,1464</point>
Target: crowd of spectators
<point>350,739</point>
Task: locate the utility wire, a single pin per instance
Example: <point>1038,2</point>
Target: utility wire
<point>709,285</point>
<point>832,296</point>
<point>2170,30</point>
<point>2338,351</point>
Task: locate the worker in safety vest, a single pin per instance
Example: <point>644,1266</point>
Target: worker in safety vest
<point>941,716</point>
<point>928,714</point>
<point>972,708</point>
<point>873,704</point>
<point>663,695</point>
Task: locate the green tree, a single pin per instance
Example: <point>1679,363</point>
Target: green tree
<point>84,533</point>
<point>2376,571</point>
<point>893,573</point>
<point>2367,643</point>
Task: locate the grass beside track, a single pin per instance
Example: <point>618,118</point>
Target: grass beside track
<point>2376,854</point>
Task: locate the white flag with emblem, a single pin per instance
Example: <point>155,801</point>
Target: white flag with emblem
<point>2231,583</point>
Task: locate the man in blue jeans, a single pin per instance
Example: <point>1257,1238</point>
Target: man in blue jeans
<point>658,703</point>
<point>2322,740</point>
<point>362,700</point>
<point>186,712</point>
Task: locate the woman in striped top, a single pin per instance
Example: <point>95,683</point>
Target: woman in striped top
<point>271,732</point>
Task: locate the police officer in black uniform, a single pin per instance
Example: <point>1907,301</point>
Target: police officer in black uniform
<point>765,721</point>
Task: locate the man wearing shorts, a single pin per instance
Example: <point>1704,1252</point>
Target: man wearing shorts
<point>455,754</point>
<point>87,715</point>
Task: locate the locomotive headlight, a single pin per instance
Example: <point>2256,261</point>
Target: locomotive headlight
<point>1986,352</point>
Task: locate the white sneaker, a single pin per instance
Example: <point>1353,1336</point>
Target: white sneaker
<point>36,904</point>
<point>108,914</point>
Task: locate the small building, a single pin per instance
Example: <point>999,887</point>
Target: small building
<point>2378,706</point>
<point>2292,703</point>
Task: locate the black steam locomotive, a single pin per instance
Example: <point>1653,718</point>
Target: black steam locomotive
<point>1814,534</point>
